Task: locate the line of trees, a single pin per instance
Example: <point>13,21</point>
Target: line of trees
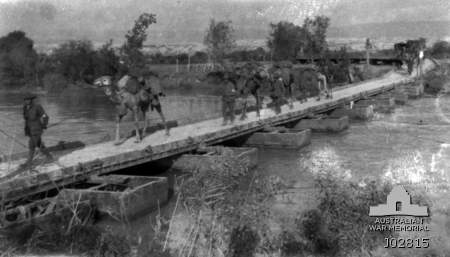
<point>71,62</point>
<point>18,59</point>
<point>78,61</point>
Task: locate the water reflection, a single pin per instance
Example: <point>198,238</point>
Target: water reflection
<point>88,115</point>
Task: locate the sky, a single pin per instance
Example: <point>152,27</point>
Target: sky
<point>181,21</point>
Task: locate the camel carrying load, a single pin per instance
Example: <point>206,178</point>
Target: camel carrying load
<point>135,95</point>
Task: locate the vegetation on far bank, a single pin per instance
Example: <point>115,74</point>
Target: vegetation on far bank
<point>78,62</point>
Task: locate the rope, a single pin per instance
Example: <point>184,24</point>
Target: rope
<point>13,138</point>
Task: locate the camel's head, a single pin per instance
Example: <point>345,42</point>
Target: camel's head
<point>105,83</point>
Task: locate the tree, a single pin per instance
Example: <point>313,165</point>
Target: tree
<point>219,39</point>
<point>316,30</point>
<point>74,60</point>
<point>18,58</point>
<point>131,50</point>
<point>285,40</point>
<point>106,61</point>
<point>440,49</point>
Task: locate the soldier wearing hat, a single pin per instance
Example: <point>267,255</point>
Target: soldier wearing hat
<point>278,91</point>
<point>228,99</point>
<point>322,84</point>
<point>36,120</point>
<point>152,89</point>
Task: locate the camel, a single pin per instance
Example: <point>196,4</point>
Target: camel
<point>129,96</point>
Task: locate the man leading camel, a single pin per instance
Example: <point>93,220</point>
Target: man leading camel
<point>152,86</point>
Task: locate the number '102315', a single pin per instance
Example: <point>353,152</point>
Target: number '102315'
<point>392,242</point>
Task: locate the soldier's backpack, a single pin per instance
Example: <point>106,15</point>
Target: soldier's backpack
<point>44,121</point>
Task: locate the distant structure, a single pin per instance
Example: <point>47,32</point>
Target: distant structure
<point>398,203</point>
<point>368,47</point>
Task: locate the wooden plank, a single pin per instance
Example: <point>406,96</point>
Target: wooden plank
<point>61,146</point>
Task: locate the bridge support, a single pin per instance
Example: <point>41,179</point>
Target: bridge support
<point>401,98</point>
<point>415,89</point>
<point>324,124</point>
<point>280,139</point>
<point>207,158</point>
<point>356,113</point>
<point>382,103</point>
<point>119,196</point>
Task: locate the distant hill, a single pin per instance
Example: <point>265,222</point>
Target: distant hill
<point>50,22</point>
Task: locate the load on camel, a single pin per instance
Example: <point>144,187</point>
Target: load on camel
<point>249,79</point>
<point>308,80</point>
<point>137,95</point>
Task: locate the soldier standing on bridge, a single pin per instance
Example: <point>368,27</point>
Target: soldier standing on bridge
<point>228,99</point>
<point>322,85</point>
<point>152,87</point>
<point>36,120</point>
<point>241,79</point>
<point>277,93</point>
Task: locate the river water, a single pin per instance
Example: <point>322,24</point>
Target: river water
<point>87,115</point>
<point>410,145</point>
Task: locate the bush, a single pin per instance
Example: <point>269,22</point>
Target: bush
<point>18,59</point>
<point>243,241</point>
<point>77,61</point>
<point>440,49</point>
<point>338,225</point>
<point>344,206</point>
<point>313,229</point>
<point>437,80</point>
<point>54,82</point>
<point>74,59</point>
<point>292,243</point>
<point>310,224</point>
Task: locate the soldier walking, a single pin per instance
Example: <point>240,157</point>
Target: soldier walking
<point>254,85</point>
<point>36,121</point>
<point>228,100</point>
<point>277,91</point>
<point>288,84</point>
<point>323,88</point>
<point>153,89</point>
<point>241,78</point>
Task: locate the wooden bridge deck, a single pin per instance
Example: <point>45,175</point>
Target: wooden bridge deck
<point>106,157</point>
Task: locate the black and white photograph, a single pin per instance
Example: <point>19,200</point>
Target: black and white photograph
<point>224,128</point>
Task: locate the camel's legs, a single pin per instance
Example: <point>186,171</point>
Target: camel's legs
<point>244,110</point>
<point>161,114</point>
<point>118,119</point>
<point>136,125</point>
<point>146,123</point>
<point>258,104</point>
<point>291,96</point>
